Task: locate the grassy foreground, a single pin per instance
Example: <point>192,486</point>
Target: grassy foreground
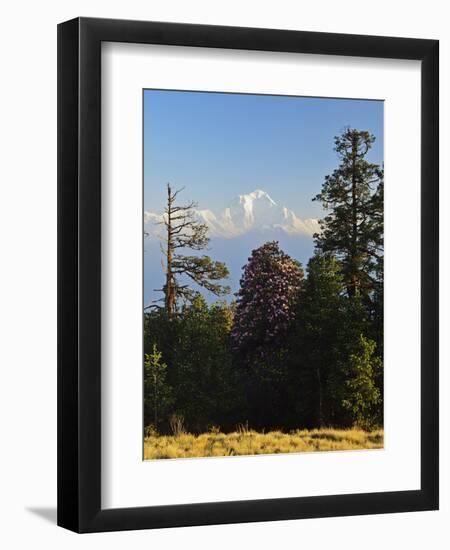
<point>249,442</point>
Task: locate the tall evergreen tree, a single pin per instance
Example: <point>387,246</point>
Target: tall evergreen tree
<point>315,346</point>
<point>353,229</point>
<point>184,231</point>
<point>363,398</point>
<point>157,392</point>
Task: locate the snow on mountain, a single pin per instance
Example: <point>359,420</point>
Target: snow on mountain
<point>254,211</point>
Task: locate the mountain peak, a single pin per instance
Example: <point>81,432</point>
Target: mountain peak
<point>258,194</point>
<point>255,211</point>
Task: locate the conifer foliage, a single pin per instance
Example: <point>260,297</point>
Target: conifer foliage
<point>290,352</point>
<point>353,228</point>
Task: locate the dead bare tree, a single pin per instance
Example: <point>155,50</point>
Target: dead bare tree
<point>184,231</point>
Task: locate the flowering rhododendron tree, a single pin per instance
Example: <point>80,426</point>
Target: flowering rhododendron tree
<point>266,301</point>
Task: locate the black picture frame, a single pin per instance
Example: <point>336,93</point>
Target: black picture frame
<point>79,274</point>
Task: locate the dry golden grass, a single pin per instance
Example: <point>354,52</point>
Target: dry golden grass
<point>249,442</point>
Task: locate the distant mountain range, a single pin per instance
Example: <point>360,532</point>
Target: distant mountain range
<point>255,211</point>
<point>246,223</point>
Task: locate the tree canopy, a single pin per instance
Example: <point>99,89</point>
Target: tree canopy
<point>293,350</point>
<point>353,228</point>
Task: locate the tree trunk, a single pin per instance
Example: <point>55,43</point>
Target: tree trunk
<point>170,287</point>
<point>353,276</point>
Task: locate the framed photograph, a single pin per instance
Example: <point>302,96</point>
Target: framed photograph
<point>248,275</point>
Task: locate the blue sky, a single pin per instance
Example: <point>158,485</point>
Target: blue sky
<point>221,145</point>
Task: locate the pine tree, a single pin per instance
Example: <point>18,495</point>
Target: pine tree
<point>315,349</point>
<point>184,231</point>
<point>157,392</point>
<point>353,229</point>
<point>363,397</point>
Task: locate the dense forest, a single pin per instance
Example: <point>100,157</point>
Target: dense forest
<point>297,346</point>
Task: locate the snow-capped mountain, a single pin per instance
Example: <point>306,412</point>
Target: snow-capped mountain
<point>255,211</point>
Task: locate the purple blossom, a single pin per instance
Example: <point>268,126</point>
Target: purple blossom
<point>266,300</point>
